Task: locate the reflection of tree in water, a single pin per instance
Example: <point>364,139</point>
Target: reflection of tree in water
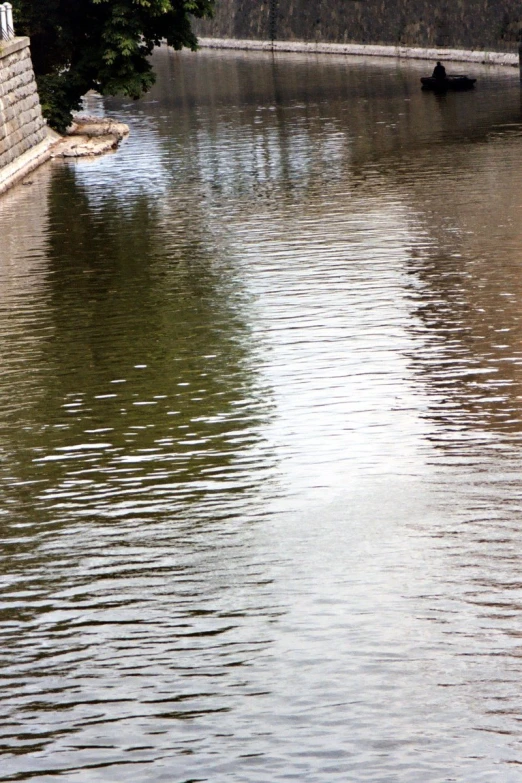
<point>135,466</point>
<point>150,400</point>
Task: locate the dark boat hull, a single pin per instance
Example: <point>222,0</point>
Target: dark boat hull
<point>457,83</point>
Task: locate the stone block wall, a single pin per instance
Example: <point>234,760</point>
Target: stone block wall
<point>482,25</point>
<point>22,126</point>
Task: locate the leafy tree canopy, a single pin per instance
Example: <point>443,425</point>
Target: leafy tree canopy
<point>79,45</point>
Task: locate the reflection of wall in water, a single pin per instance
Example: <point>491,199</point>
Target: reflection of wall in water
<point>285,115</point>
<point>468,284</point>
<point>23,217</point>
<point>468,24</point>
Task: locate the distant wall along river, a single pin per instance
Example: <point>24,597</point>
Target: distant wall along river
<point>260,434</point>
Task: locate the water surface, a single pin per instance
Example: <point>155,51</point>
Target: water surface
<point>260,429</point>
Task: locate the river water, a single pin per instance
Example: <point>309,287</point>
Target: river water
<point>260,434</point>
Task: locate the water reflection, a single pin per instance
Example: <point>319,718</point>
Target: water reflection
<point>468,293</point>
<point>145,359</point>
<point>375,107</point>
<point>259,425</point>
<point>146,408</point>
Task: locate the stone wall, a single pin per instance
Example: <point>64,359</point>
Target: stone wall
<point>483,25</point>
<point>23,132</point>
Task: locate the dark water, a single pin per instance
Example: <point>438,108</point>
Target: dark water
<point>260,434</point>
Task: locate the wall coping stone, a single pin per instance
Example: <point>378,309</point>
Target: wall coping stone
<point>367,50</point>
<point>13,45</point>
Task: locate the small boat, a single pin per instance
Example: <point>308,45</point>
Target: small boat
<point>457,82</point>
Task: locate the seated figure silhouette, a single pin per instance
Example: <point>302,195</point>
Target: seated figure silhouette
<point>439,72</point>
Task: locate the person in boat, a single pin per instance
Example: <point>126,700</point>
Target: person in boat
<point>439,72</point>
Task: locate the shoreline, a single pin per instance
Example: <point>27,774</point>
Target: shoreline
<point>367,50</point>
<point>87,137</point>
<point>98,141</point>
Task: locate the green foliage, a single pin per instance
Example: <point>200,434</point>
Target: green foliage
<point>104,45</point>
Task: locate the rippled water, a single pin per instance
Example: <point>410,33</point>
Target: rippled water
<point>260,430</point>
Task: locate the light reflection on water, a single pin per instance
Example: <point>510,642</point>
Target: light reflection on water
<point>260,393</point>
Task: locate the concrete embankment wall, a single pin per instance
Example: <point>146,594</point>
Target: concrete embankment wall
<point>24,140</point>
<point>364,50</point>
<point>478,25</point>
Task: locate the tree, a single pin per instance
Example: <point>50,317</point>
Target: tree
<point>79,45</point>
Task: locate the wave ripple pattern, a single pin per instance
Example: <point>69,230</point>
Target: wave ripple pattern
<point>260,429</point>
